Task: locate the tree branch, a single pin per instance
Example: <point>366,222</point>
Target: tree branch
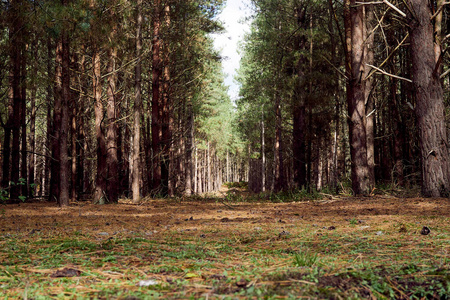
<point>390,55</point>
<point>394,8</point>
<point>445,73</point>
<point>388,74</point>
<point>385,2</point>
<point>439,62</point>
<point>439,10</point>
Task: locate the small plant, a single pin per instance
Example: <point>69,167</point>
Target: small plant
<point>305,259</point>
<point>353,221</point>
<point>4,195</point>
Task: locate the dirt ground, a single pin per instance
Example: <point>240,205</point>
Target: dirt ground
<point>236,239</point>
<point>160,215</point>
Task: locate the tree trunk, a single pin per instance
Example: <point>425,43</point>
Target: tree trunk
<point>81,145</point>
<point>55,172</point>
<point>65,89</point>
<point>136,171</point>
<point>100,181</point>
<point>429,103</point>
<point>16,47</point>
<point>156,78</point>
<point>32,161</point>
<point>189,146</point>
<point>47,181</point>
<point>75,113</point>
<point>369,97</point>
<point>166,126</point>
<point>23,125</point>
<point>263,154</point>
<point>6,170</point>
<point>111,133</point>
<point>354,25</point>
<point>280,182</point>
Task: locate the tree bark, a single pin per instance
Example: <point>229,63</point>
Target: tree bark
<point>189,146</point>
<point>16,48</point>
<point>23,125</point>
<point>100,181</point>
<point>429,108</point>
<point>354,25</point>
<point>369,97</point>
<point>65,93</point>
<point>55,172</point>
<point>156,78</point>
<point>47,181</point>
<point>7,127</point>
<point>111,133</point>
<point>32,156</point>
<point>136,171</point>
<point>166,126</point>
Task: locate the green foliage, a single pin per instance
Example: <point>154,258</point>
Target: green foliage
<point>305,259</point>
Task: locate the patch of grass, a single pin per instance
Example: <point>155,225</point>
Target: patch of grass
<point>229,260</point>
<point>305,259</point>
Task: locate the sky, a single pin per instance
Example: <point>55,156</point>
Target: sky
<point>232,16</point>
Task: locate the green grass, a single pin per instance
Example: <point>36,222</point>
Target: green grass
<point>234,261</point>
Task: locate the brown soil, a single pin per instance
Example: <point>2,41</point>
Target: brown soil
<point>170,214</point>
<point>330,228</point>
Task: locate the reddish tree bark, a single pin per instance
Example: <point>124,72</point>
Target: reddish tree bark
<point>354,29</point>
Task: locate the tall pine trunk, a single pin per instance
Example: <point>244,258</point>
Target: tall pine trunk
<point>100,181</point>
<point>111,133</point>
<point>32,156</point>
<point>189,183</point>
<point>429,108</point>
<point>354,30</point>
<point>137,111</point>
<point>368,94</point>
<point>156,78</point>
<point>23,124</point>
<point>64,132</point>
<point>16,47</point>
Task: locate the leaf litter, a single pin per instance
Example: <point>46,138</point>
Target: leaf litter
<point>185,248</point>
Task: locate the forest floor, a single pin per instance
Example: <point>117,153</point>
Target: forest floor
<point>216,248</point>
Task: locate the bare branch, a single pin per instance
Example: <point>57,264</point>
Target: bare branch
<point>385,2</point>
<point>439,10</point>
<point>394,8</point>
<point>389,57</point>
<point>445,73</point>
<point>388,74</point>
<point>369,3</point>
<point>334,67</point>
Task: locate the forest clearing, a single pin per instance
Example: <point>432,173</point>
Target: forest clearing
<point>217,248</point>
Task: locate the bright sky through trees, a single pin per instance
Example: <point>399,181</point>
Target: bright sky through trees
<point>233,18</point>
